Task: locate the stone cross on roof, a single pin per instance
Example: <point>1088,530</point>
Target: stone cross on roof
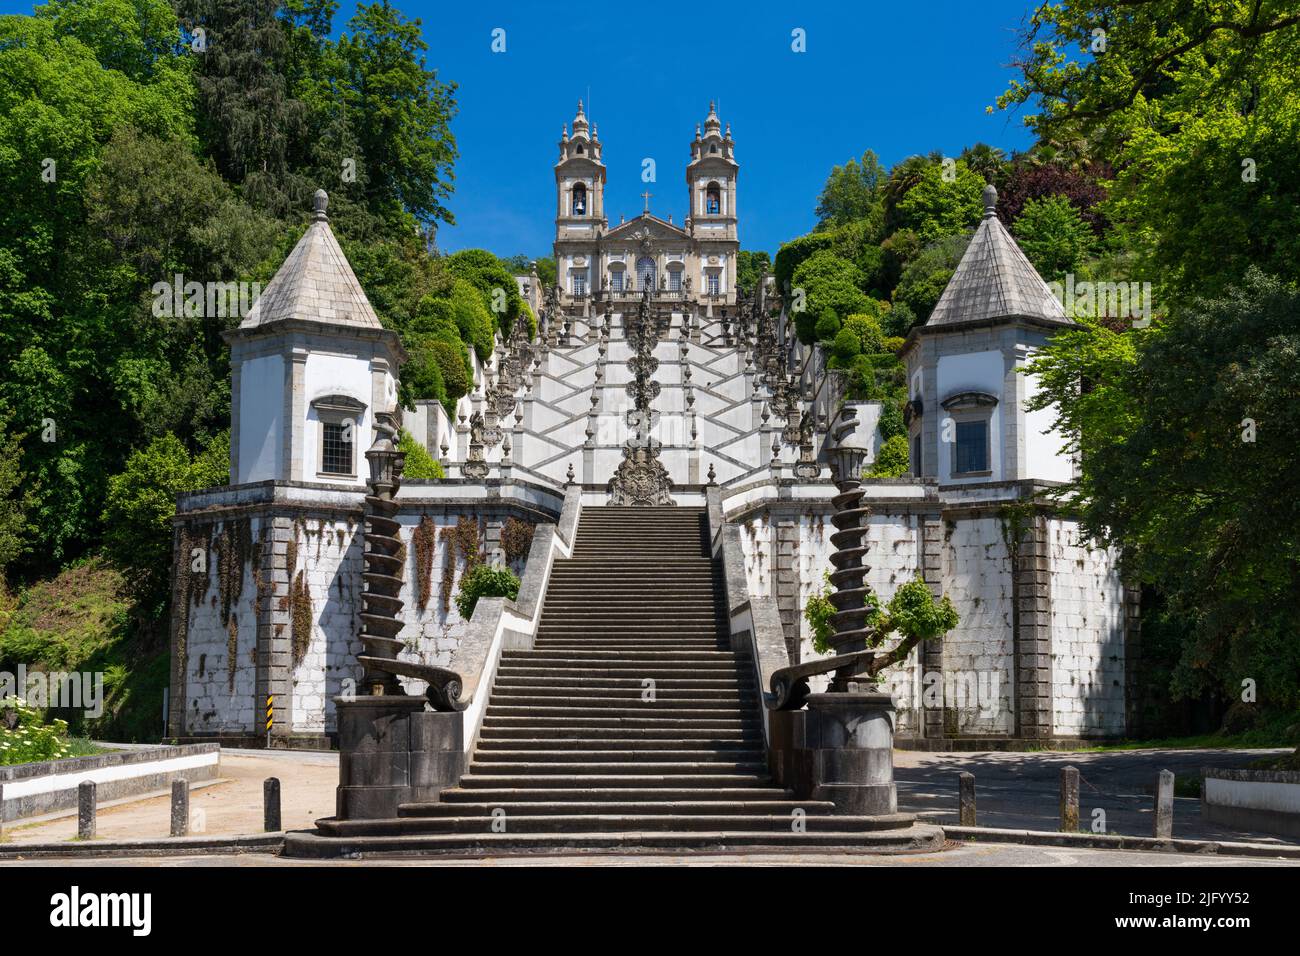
<point>315,282</point>
<point>994,280</point>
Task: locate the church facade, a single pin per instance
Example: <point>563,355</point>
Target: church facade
<point>694,261</point>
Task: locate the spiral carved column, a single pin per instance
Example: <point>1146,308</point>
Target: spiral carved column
<point>382,606</point>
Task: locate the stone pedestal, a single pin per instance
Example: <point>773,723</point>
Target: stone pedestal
<point>839,748</point>
<point>394,751</point>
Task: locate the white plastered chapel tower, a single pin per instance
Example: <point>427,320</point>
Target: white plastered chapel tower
<point>311,365</point>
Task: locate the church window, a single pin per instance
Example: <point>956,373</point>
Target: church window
<point>616,280</point>
<point>971,449</point>
<point>336,448</point>
<point>713,199</point>
<point>645,272</point>
<point>580,283</point>
<point>713,148</point>
<point>579,200</point>
<point>675,281</point>
<point>714,283</point>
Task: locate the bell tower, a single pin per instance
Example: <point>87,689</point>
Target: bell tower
<point>579,207</point>
<point>711,184</point>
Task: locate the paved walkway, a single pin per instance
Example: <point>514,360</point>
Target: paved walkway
<point>1021,791</point>
<point>231,808</point>
<point>960,855</point>
<point>1013,790</point>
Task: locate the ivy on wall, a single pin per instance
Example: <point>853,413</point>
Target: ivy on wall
<point>425,539</point>
<point>516,538</point>
<point>464,546</point>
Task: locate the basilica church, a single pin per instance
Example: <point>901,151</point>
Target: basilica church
<point>656,466</point>
<point>694,261</point>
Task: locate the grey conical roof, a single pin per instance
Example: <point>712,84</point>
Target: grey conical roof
<point>994,280</point>
<point>315,283</point>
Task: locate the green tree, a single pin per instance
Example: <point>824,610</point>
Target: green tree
<point>142,502</point>
<point>935,208</point>
<point>1054,236</point>
<point>852,192</point>
<point>749,267</point>
<point>1186,435</point>
<point>926,276</point>
<point>830,284</point>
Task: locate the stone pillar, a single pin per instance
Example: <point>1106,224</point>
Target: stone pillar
<point>966,799</point>
<point>935,723</point>
<point>1031,594</point>
<point>180,816</point>
<point>840,748</point>
<point>274,640</point>
<point>1069,799</point>
<point>785,581</point>
<point>392,751</point>
<point>271,805</point>
<point>1164,823</point>
<point>1133,722</point>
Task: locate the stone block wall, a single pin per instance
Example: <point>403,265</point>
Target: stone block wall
<point>1088,616</point>
<point>269,602</point>
<point>1038,651</point>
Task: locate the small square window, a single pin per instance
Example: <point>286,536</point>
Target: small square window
<point>971,452</point>
<point>336,448</point>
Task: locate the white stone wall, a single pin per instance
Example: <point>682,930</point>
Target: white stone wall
<point>329,554</point>
<point>1088,618</point>
<point>978,681</point>
<point>213,703</point>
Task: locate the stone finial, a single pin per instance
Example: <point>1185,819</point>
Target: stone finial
<point>712,474</point>
<point>319,203</point>
<point>990,201</point>
<point>569,475</point>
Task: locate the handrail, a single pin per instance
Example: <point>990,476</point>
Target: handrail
<point>755,622</point>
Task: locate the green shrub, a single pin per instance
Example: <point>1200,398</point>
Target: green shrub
<point>827,327</point>
<point>844,349</point>
<point>866,328</point>
<point>483,580</point>
<point>892,460</point>
<point>419,465</point>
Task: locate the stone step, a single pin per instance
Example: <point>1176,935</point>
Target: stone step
<point>545,726</point>
<point>730,695</point>
<point>713,808</point>
<point>589,745</point>
<point>736,756</point>
<point>637,736</point>
<point>610,821</point>
<point>613,781</point>
<point>630,672</point>
<point>685,710</point>
<point>542,684</point>
<point>621,768</point>
<point>305,845</point>
<point>726,658</point>
<point>546,704</point>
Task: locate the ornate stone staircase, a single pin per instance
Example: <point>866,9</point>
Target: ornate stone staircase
<point>631,723</point>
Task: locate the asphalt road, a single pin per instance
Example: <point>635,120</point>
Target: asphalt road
<point>1021,791</point>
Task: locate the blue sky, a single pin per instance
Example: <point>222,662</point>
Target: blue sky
<point>899,78</point>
